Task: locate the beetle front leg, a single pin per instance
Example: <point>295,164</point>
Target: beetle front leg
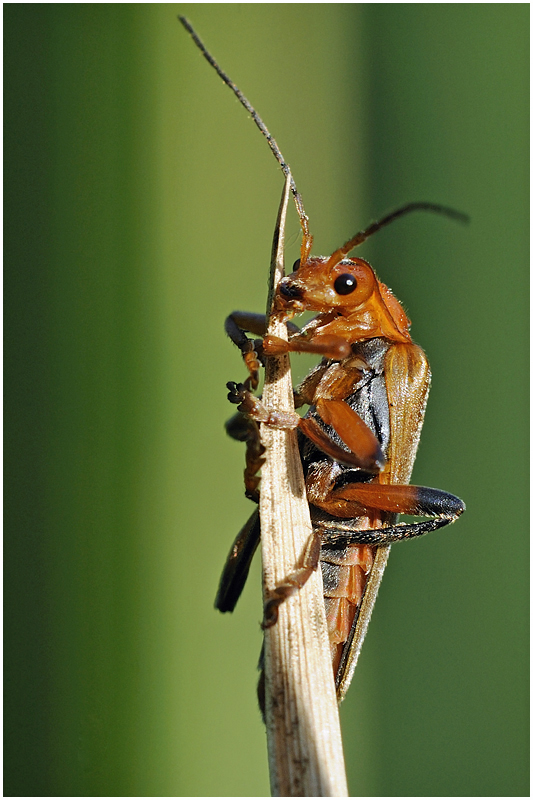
<point>327,346</point>
<point>236,326</point>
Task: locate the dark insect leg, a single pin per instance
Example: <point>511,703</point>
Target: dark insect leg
<point>248,321</point>
<point>293,582</point>
<point>236,326</point>
<point>237,565</point>
<point>333,532</point>
<point>244,429</point>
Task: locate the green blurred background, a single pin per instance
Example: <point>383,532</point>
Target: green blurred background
<point>140,203</point>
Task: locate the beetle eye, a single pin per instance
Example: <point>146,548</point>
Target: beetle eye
<point>345,284</point>
<point>296,265</point>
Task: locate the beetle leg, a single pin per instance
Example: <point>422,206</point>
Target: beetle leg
<point>304,395</point>
<point>244,429</point>
<point>355,434</point>
<point>356,499</point>
<point>293,582</point>
<point>252,406</point>
<point>245,345</point>
<point>248,321</point>
<point>364,449</point>
<point>328,346</point>
<point>237,565</point>
<point>236,326</point>
<point>313,431</point>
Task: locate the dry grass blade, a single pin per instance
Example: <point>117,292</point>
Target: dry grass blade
<point>303,731</point>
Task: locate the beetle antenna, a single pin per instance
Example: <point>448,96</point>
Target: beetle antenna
<point>362,236</point>
<point>304,219</point>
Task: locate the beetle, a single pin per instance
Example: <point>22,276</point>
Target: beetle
<point>358,439</point>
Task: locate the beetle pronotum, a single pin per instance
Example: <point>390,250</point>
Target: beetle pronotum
<point>358,440</point>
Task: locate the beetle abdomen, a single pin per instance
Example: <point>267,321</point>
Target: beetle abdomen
<point>345,572</point>
<point>346,567</point>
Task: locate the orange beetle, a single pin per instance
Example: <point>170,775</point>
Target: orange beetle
<point>358,440</point>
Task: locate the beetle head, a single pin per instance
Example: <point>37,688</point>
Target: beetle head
<point>346,288</point>
<point>314,286</point>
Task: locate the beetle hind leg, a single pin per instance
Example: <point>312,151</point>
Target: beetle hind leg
<point>293,582</point>
<point>357,499</point>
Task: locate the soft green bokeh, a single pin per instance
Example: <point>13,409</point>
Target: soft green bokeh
<point>140,204</point>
